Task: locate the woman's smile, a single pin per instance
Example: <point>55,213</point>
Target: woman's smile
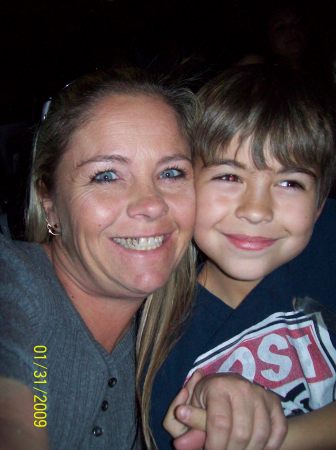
<point>140,243</point>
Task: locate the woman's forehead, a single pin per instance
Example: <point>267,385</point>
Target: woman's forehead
<point>135,109</point>
<point>127,123</point>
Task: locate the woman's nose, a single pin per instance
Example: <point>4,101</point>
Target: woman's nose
<point>255,206</point>
<point>147,202</point>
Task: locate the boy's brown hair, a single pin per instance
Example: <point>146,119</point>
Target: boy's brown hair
<point>278,110</point>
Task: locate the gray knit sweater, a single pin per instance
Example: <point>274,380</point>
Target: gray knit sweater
<point>90,392</point>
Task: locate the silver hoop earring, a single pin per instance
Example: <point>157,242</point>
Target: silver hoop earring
<point>52,229</point>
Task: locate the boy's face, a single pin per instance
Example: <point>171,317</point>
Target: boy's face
<point>250,221</point>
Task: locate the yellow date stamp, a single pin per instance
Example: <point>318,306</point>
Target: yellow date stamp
<point>40,384</point>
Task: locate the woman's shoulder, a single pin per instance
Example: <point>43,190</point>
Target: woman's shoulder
<point>26,274</point>
<point>20,255</point>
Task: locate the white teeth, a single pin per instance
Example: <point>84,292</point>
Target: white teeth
<point>142,243</point>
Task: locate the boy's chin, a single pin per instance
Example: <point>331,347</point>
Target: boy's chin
<point>252,276</point>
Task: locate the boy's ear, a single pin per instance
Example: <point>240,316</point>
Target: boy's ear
<point>47,203</point>
<point>320,209</point>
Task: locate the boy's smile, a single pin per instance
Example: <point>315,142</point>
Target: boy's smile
<point>250,221</point>
<point>249,243</point>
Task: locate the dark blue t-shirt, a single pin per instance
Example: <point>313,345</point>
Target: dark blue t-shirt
<point>265,338</point>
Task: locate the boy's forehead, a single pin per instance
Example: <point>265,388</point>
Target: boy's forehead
<point>237,149</point>
<point>260,157</point>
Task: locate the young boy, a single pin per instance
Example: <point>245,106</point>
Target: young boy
<point>265,165</point>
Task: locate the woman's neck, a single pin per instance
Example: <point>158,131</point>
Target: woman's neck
<point>106,318</point>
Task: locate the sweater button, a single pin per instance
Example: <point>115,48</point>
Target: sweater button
<point>104,405</point>
<point>112,382</point>
<point>97,431</point>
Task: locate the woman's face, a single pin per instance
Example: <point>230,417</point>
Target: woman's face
<point>124,199</point>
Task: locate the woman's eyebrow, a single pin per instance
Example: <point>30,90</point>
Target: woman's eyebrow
<point>104,158</point>
<point>175,157</point>
<point>123,160</point>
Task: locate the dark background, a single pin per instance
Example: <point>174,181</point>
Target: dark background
<point>44,43</point>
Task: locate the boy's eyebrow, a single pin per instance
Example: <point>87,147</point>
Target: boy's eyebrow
<point>226,162</point>
<point>294,169</point>
<point>283,170</point>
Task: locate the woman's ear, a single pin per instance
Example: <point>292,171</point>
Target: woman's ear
<point>48,204</point>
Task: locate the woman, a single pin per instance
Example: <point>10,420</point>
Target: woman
<point>110,216</point>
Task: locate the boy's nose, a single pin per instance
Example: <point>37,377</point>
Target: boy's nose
<point>147,202</point>
<point>255,207</point>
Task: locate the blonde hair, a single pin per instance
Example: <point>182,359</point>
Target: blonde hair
<point>163,315</point>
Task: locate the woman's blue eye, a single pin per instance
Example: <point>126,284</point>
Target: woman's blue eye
<point>171,173</point>
<point>105,177</point>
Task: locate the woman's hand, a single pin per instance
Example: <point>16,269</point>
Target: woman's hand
<point>225,412</point>
<point>17,431</point>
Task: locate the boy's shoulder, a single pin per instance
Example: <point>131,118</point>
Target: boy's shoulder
<point>313,272</point>
<point>328,213</point>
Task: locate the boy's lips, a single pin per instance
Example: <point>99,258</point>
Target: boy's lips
<point>252,243</point>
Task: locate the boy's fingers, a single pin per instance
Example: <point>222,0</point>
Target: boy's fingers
<point>192,382</point>
<point>219,407</point>
<point>279,425</point>
<point>191,440</point>
<point>173,426</point>
<point>192,417</point>
<point>261,428</point>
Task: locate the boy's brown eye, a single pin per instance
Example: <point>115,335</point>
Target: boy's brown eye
<point>292,184</point>
<point>230,177</point>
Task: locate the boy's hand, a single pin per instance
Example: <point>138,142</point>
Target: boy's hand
<point>175,426</point>
<point>225,412</point>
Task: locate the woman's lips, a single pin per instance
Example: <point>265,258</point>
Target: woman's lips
<point>251,243</point>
